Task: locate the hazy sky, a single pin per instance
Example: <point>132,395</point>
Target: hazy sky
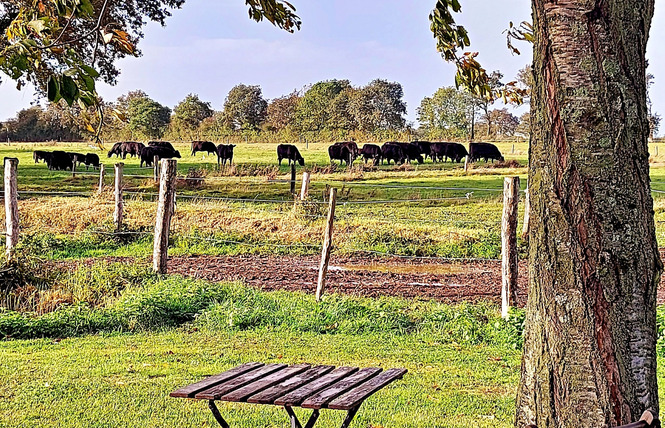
<point>210,46</point>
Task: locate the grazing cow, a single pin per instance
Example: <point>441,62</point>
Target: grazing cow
<point>91,159</point>
<point>456,152</point>
<point>290,152</point>
<point>344,152</point>
<point>116,150</point>
<point>79,158</point>
<point>371,151</point>
<point>392,151</point>
<point>161,144</point>
<point>438,151</point>
<point>224,153</point>
<point>425,148</point>
<point>131,148</point>
<point>148,154</point>
<point>411,151</point>
<point>203,146</point>
<point>485,151</point>
<point>38,155</point>
<point>59,161</point>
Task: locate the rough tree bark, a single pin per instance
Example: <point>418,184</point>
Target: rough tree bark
<point>590,342</point>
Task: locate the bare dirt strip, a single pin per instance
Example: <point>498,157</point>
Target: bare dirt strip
<point>360,276</point>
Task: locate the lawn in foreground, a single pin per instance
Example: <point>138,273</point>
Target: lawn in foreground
<point>124,380</point>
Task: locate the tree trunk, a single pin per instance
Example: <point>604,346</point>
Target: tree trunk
<point>590,341</point>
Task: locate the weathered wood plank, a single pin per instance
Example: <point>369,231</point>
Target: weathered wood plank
<point>224,388</point>
<point>246,391</point>
<point>190,390</point>
<point>296,397</point>
<point>322,398</point>
<point>271,394</point>
<point>360,393</point>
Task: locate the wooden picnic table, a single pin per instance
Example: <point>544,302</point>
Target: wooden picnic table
<point>298,385</point>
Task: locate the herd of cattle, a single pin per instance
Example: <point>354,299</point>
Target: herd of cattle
<point>397,152</point>
<point>344,152</point>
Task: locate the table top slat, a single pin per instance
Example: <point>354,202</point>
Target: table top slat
<point>360,393</point>
<point>269,395</point>
<point>322,398</point>
<point>224,388</point>
<point>294,398</point>
<point>255,387</point>
<point>190,391</point>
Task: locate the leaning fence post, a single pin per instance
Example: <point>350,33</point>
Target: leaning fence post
<point>102,172</point>
<point>119,208</point>
<point>155,168</point>
<point>304,189</point>
<point>511,187</point>
<point>293,178</point>
<point>164,213</point>
<point>527,214</point>
<point>327,245</point>
<point>11,204</point>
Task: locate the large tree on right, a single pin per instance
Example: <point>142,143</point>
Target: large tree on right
<point>590,340</point>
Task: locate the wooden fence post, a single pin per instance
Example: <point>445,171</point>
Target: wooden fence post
<point>155,168</point>
<point>11,205</point>
<point>527,214</point>
<point>466,164</point>
<point>102,172</point>
<point>164,213</point>
<point>74,167</point>
<point>119,205</point>
<point>656,149</point>
<point>511,188</point>
<point>293,178</point>
<point>304,189</point>
<point>327,245</point>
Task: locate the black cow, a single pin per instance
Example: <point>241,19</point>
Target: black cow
<point>116,150</point>
<point>411,151</point>
<point>371,151</point>
<point>290,152</point>
<point>91,159</point>
<point>59,161</point>
<point>224,153</point>
<point>162,144</point>
<point>485,151</point>
<point>456,152</point>
<point>203,146</point>
<point>425,148</point>
<point>392,151</point>
<point>79,158</point>
<point>131,148</point>
<point>148,154</point>
<point>344,152</point>
<point>438,151</point>
<point>38,155</point>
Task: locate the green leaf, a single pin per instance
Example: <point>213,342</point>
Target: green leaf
<point>53,89</point>
<point>91,71</point>
<point>69,90</point>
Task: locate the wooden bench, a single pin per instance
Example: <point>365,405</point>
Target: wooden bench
<point>299,385</point>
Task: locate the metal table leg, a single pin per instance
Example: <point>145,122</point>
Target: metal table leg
<point>295,423</point>
<point>216,414</point>
<point>349,417</point>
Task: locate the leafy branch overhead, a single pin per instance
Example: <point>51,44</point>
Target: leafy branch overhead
<point>63,47</point>
<point>452,40</point>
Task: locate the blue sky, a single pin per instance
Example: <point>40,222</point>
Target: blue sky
<point>210,46</point>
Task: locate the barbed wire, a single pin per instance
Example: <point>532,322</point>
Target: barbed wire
<point>451,259</point>
<point>247,244</point>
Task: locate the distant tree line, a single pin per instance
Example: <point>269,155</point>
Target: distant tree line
<point>327,110</point>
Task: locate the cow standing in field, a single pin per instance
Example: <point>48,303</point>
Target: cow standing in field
<point>164,144</point>
<point>371,151</point>
<point>425,148</point>
<point>148,154</point>
<point>131,148</point>
<point>392,151</point>
<point>91,159</point>
<point>40,155</point>
<point>485,151</point>
<point>344,152</point>
<point>411,151</point>
<point>290,152</point>
<point>456,152</point>
<point>203,146</point>
<point>59,161</point>
<point>116,150</point>
<point>224,153</point>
